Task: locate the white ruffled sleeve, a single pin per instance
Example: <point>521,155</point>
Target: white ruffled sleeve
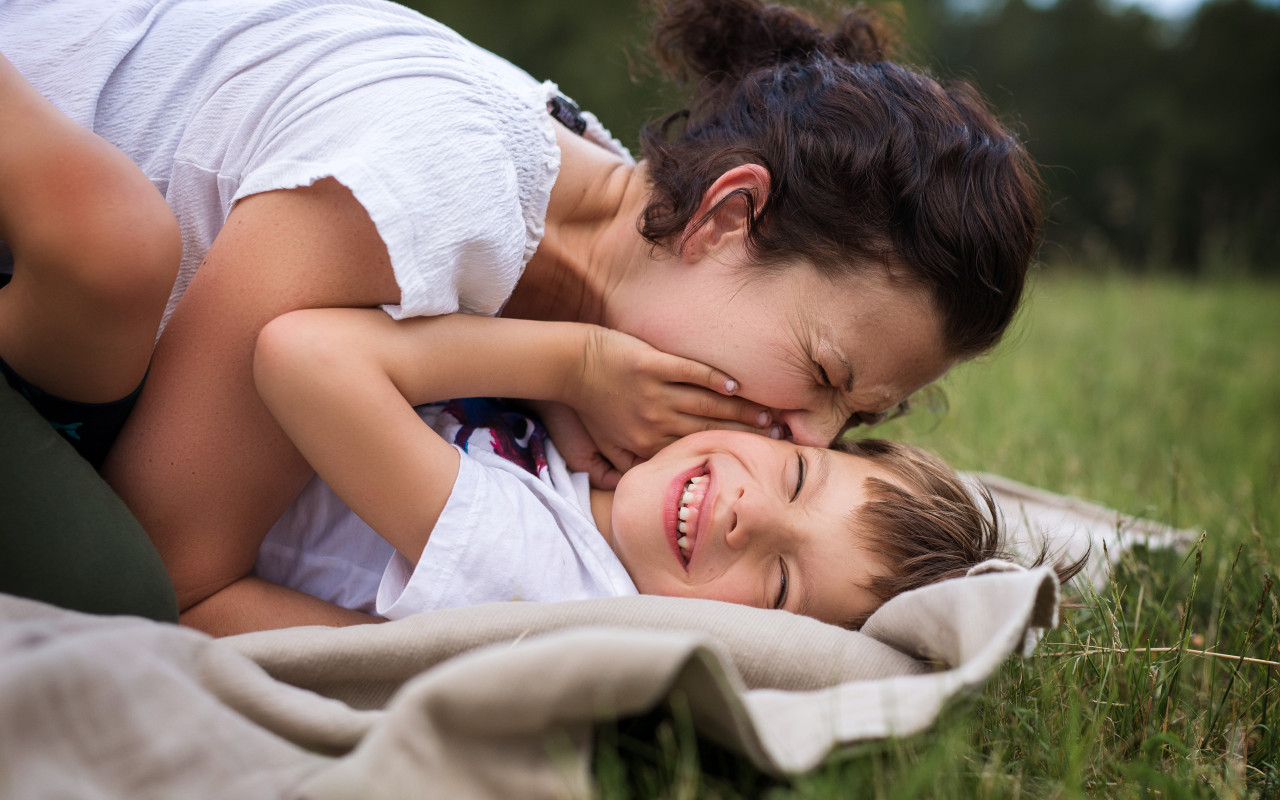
<point>452,175</point>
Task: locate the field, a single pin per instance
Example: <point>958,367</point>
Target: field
<point>1156,397</point>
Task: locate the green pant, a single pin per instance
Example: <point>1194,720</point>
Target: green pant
<point>65,537</point>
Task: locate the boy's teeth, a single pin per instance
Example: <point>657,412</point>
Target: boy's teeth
<point>687,497</point>
<point>685,512</point>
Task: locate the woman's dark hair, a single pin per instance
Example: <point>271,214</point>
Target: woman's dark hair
<point>868,160</point>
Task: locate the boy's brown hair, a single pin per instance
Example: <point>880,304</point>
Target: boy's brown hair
<point>930,527</point>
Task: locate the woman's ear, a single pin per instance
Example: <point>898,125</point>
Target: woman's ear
<point>724,214</point>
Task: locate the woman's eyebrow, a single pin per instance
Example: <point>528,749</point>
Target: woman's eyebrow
<point>847,386</point>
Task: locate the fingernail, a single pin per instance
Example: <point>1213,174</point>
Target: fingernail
<point>731,386</point>
<point>775,432</point>
<point>762,418</point>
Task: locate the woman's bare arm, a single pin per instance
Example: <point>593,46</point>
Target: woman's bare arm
<point>95,252</point>
<point>261,605</point>
<point>201,462</point>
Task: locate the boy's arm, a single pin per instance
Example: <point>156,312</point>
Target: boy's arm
<point>343,382</point>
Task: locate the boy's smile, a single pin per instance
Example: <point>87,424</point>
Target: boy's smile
<point>690,510</point>
<point>746,519</point>
<point>675,505</point>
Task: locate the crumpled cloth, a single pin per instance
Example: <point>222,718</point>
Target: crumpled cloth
<point>489,701</point>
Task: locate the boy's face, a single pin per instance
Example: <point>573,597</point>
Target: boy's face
<point>767,525</point>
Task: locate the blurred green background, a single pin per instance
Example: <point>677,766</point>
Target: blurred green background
<point>1144,373</point>
<point>1157,135</point>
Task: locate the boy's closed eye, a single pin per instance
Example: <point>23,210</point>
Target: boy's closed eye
<point>800,474</point>
<point>783,581</point>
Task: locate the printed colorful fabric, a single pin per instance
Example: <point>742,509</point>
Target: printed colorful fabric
<point>502,428</point>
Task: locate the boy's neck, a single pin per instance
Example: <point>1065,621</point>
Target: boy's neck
<point>602,513</point>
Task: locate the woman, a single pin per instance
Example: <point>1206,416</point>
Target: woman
<point>94,252</point>
<point>827,229</point>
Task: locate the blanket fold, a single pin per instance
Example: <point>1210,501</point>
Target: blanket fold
<point>491,701</point>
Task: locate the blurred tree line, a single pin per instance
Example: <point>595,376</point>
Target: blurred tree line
<point>1158,139</point>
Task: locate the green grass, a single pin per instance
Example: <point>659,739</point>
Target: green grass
<point>1156,397</point>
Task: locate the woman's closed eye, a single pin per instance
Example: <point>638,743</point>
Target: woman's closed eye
<point>835,396</point>
<point>822,374</point>
<point>783,582</point>
<point>824,379</point>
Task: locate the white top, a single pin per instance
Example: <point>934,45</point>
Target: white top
<point>449,148</point>
<point>517,526</point>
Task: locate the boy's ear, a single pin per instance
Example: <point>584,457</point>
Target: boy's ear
<point>726,202</point>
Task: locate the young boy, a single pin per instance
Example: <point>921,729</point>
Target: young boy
<point>722,515</point>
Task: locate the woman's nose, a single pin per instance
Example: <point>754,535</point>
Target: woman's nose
<point>807,428</point>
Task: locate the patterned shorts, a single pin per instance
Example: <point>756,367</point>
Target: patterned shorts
<point>89,427</point>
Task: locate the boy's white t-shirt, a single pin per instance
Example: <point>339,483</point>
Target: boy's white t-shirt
<point>517,526</point>
<point>449,148</point>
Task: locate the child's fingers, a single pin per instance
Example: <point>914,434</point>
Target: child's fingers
<point>695,424</point>
<point>602,474</point>
<point>621,459</point>
<point>699,403</point>
<point>683,370</point>
<point>576,446</point>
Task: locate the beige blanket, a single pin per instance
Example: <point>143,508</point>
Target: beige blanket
<point>1072,527</point>
<point>491,701</point>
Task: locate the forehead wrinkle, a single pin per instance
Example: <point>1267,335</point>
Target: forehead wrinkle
<point>786,351</point>
<point>792,348</point>
<point>809,326</point>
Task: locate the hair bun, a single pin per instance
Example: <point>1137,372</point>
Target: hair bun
<point>863,36</point>
<point>725,39</point>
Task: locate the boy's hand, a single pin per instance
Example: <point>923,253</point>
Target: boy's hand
<point>575,444</point>
<point>633,399</point>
